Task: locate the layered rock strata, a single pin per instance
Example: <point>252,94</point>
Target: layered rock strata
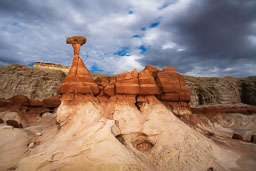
<point>228,90</point>
<point>41,83</point>
<point>167,85</point>
<point>29,81</point>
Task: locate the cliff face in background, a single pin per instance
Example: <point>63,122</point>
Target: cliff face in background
<point>51,66</point>
<point>228,90</point>
<point>29,81</point>
<point>41,83</point>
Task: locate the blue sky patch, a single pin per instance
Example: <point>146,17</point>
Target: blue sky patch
<point>15,24</point>
<point>130,12</point>
<point>95,68</point>
<point>31,64</point>
<point>155,24</point>
<point>165,5</point>
<point>123,51</point>
<point>136,36</point>
<point>143,49</point>
<point>143,29</point>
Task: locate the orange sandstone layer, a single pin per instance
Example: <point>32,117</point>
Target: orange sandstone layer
<point>167,85</point>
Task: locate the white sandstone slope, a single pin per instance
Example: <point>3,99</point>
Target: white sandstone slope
<point>151,138</point>
<point>13,145</point>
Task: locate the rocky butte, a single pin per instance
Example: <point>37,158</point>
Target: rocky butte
<point>134,121</point>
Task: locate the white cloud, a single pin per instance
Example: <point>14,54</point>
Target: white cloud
<point>252,39</point>
<point>228,69</point>
<point>168,45</point>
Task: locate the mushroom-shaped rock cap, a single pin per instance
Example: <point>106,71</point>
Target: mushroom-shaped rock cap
<point>76,40</point>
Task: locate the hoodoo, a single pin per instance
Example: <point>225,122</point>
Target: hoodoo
<point>167,85</point>
<point>78,80</point>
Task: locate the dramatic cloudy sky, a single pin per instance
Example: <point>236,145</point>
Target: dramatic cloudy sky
<point>198,37</point>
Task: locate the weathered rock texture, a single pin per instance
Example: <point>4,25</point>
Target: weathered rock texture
<point>28,81</point>
<point>132,140</point>
<point>224,109</point>
<point>78,80</point>
<point>226,90</point>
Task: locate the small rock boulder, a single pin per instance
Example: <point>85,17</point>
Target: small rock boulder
<point>35,103</point>
<point>31,145</point>
<point>52,102</point>
<point>102,81</point>
<point>5,102</point>
<point>237,137</point>
<point>253,139</point>
<point>39,134</point>
<point>109,90</point>
<point>20,100</point>
<point>14,124</point>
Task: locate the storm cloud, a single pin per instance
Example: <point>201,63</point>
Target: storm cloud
<point>211,38</point>
<point>201,38</point>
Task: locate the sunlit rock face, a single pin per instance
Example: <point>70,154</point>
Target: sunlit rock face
<point>167,85</point>
<point>51,66</point>
<point>78,80</point>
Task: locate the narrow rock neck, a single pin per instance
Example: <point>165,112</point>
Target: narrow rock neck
<point>76,48</point>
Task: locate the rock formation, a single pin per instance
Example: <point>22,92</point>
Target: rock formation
<point>174,91</point>
<point>228,90</point>
<point>133,140</point>
<point>167,85</point>
<point>253,139</point>
<point>147,83</point>
<point>78,80</point>
<point>237,137</point>
<point>224,108</point>
<point>109,132</point>
<point>40,83</point>
<point>20,111</point>
<point>29,81</point>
